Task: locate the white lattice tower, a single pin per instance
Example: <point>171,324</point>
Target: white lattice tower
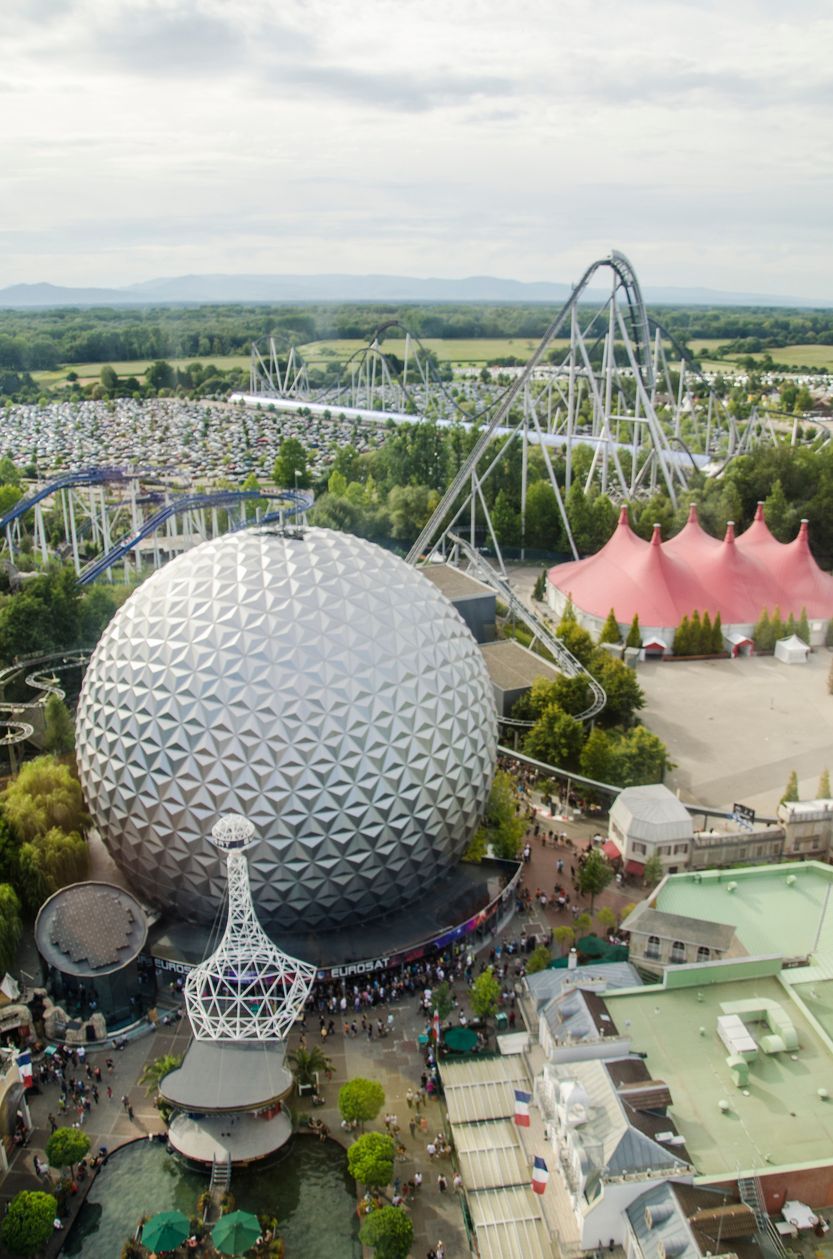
<point>247,989</point>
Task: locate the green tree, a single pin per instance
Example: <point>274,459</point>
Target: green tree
<point>360,1100</point>
<point>502,828</point>
<point>539,959</point>
<point>556,738</point>
<point>640,757</point>
<point>802,629</point>
<point>583,924</point>
<point>593,876</point>
<point>59,736</point>
<point>442,999</point>
<point>109,378</point>
<point>49,862</point>
<point>565,937</point>
<point>634,638</point>
<point>292,458</point>
<point>791,790</point>
<point>485,995</point>
<point>706,635</point>
<point>576,639</point>
<point>762,635</point>
<point>610,632</point>
<point>597,758</point>
<point>625,696</point>
<point>45,794</point>
<point>66,1147</point>
<point>654,870</point>
<point>27,1224</point>
<point>823,791</point>
<point>11,927</point>
<point>160,375</point>
<point>696,634</point>
<point>681,645</point>
<point>539,590</point>
<point>717,636</point>
<point>607,917</point>
<point>370,1159</point>
<point>389,1232</point>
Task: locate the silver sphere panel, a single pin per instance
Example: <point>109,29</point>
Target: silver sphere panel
<point>318,686</point>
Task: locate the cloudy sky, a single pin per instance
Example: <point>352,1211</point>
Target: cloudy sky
<point>465,137</point>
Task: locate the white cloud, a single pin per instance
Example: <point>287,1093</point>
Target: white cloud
<point>170,136</point>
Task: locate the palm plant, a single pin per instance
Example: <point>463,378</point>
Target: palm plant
<point>307,1063</point>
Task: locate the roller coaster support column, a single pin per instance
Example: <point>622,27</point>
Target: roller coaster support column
<point>40,534</point>
<point>135,524</point>
<point>524,472</point>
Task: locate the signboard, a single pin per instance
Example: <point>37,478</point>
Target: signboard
<point>744,815</point>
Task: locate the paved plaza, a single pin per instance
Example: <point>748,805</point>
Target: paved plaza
<point>736,728</point>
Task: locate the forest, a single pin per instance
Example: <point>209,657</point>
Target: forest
<point>41,339</point>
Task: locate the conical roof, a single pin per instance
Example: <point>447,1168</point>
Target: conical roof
<point>663,582</point>
<point>692,542</point>
<point>758,534</point>
<point>803,583</point>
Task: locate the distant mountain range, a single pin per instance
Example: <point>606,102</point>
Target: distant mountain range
<point>191,289</point>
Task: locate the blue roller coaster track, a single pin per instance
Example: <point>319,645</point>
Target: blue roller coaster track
<point>295,502</point>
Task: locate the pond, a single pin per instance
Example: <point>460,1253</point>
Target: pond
<point>309,1190</point>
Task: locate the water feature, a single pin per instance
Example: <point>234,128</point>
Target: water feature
<point>309,1190</point>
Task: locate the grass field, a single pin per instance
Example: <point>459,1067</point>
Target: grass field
<point>802,355</point>
<point>472,351</point>
<point>90,372</point>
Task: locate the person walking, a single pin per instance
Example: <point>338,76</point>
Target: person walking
<point>417,1180</point>
<point>53,1122</point>
<point>442,1183</point>
<point>129,1112</point>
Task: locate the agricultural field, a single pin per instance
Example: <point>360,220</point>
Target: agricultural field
<point>88,373</point>
<point>469,352</point>
<point>802,356</point>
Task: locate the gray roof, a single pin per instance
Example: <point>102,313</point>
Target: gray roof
<point>454,584</point>
<point>578,1015</point>
<point>668,1232</point>
<point>652,813</point>
<point>647,921</point>
<point>611,1143</point>
<point>90,929</point>
<point>228,1076</point>
<point>513,667</point>
<point>601,977</point>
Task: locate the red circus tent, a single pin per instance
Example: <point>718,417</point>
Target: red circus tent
<point>661,582</point>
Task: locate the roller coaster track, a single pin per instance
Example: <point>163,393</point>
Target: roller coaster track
<point>13,715</point>
<point>298,503</point>
<point>69,481</point>
<point>642,363</point>
<point>565,660</point>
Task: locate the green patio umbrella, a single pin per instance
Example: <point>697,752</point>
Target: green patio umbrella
<point>235,1232</point>
<point>165,1231</point>
<point>461,1040</point>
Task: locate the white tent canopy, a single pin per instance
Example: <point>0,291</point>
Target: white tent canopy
<point>791,650</point>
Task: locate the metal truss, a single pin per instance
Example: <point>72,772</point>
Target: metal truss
<point>564,659</point>
<point>248,989</point>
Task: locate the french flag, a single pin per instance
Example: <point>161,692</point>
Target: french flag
<point>24,1066</point>
<point>522,1101</point>
<point>435,1025</point>
<point>540,1175</point>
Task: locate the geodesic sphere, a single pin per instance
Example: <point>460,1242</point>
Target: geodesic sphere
<point>316,684</point>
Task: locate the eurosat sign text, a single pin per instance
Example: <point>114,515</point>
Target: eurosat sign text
<point>358,968</point>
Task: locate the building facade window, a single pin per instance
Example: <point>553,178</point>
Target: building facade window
<point>678,951</point>
<point>652,948</point>
<point>703,953</point>
<point>639,848</point>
